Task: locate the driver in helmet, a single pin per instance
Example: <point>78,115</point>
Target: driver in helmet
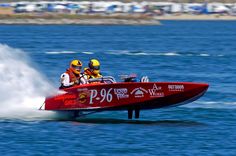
<point>93,70</point>
<point>73,75</point>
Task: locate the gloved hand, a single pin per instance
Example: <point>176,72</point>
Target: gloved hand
<point>76,82</point>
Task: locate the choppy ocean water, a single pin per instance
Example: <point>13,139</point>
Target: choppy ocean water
<point>33,57</point>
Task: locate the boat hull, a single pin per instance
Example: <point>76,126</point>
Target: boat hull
<point>123,96</point>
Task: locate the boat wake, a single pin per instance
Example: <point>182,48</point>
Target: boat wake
<point>211,104</point>
<point>171,54</point>
<point>60,52</point>
<point>68,52</point>
<point>138,53</point>
<point>23,88</point>
<point>140,122</point>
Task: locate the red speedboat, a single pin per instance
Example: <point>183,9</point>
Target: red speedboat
<point>131,96</point>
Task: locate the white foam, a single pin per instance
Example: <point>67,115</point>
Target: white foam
<point>60,52</point>
<point>204,55</point>
<point>87,52</point>
<point>126,52</point>
<point>169,54</point>
<point>131,53</point>
<point>212,104</point>
<point>23,88</point>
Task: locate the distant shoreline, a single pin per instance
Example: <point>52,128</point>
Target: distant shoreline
<point>42,21</point>
<point>197,17</point>
<point>59,19</point>
<point>62,19</point>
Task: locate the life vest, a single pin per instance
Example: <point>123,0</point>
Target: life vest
<point>90,74</point>
<point>73,77</point>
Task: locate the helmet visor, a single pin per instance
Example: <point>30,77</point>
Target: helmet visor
<point>77,67</point>
<point>96,67</point>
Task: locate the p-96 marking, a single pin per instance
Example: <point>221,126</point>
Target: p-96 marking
<point>103,95</point>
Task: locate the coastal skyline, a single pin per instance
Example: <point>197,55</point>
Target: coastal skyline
<point>111,12</point>
<point>176,1</point>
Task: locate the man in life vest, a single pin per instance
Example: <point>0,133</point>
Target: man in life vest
<point>72,76</point>
<point>93,70</point>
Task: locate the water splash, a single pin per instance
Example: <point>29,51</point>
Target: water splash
<point>23,88</point>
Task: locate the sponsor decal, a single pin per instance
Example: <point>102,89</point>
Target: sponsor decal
<point>156,91</point>
<point>68,99</point>
<point>139,92</point>
<point>176,87</point>
<point>69,102</point>
<point>82,89</point>
<point>83,97</point>
<point>65,97</point>
<point>121,93</point>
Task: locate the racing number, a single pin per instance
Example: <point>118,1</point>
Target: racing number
<point>104,94</point>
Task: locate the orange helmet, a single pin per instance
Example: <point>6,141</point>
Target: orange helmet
<point>76,66</point>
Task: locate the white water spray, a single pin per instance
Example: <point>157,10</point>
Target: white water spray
<point>22,88</point>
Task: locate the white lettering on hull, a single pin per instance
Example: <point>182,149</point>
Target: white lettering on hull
<point>176,87</point>
<point>156,91</point>
<point>102,96</point>
<point>121,93</point>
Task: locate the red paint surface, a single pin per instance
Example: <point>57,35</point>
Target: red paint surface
<point>119,96</point>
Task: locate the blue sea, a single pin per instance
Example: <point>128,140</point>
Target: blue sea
<point>33,57</point>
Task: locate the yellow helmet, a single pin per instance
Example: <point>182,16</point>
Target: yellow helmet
<point>76,66</point>
<point>94,65</point>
